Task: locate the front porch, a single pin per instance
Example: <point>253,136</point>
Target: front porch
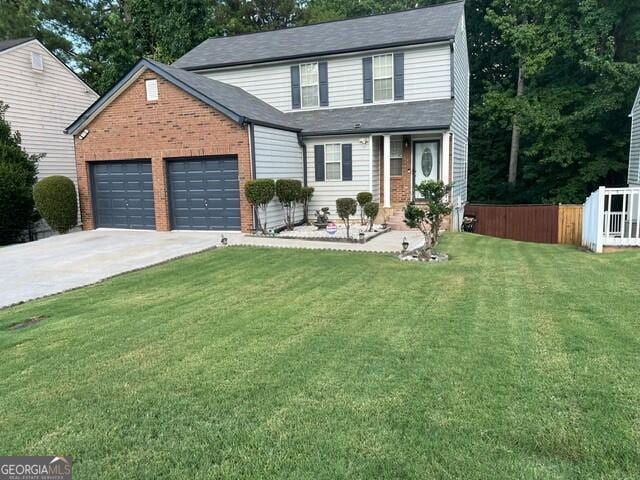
<point>611,219</point>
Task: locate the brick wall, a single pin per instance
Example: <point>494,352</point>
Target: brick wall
<point>176,125</point>
<point>401,185</point>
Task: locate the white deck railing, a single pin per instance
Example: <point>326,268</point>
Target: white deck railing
<point>611,218</point>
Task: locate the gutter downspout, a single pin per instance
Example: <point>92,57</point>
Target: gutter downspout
<point>304,159</point>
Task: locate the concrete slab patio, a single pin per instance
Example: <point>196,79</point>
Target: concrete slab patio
<point>60,263</point>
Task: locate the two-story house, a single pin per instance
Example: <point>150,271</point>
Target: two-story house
<point>377,103</point>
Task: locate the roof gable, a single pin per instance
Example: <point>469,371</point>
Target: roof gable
<point>409,27</point>
<point>636,104</point>
<point>7,44</point>
<point>235,103</point>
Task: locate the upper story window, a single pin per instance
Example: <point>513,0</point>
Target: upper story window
<point>151,87</point>
<point>383,77</point>
<point>333,161</point>
<point>37,63</point>
<point>395,168</point>
<point>309,87</point>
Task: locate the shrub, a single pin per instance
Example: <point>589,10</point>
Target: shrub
<point>345,207</point>
<point>305,197</point>
<point>289,194</point>
<point>363,198</point>
<point>56,201</point>
<point>17,176</point>
<point>259,193</point>
<point>371,210</point>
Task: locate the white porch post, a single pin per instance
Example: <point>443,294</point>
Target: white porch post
<point>371,164</point>
<point>387,173</point>
<point>446,146</point>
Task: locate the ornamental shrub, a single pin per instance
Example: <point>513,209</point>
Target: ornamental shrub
<point>363,198</point>
<point>56,201</point>
<point>371,210</point>
<point>345,207</point>
<point>289,194</point>
<point>259,193</point>
<point>305,197</point>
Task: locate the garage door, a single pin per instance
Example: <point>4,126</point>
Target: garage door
<point>123,194</point>
<point>204,193</point>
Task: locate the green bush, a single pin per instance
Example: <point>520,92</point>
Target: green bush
<point>259,193</point>
<point>289,194</point>
<point>363,198</point>
<point>56,200</point>
<point>305,197</point>
<point>371,210</point>
<point>346,207</point>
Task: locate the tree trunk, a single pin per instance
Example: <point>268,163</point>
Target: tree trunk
<point>515,132</point>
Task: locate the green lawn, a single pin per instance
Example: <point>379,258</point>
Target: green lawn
<point>513,360</point>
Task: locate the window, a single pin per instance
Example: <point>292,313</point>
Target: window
<point>151,87</point>
<point>36,62</point>
<point>309,85</point>
<point>396,157</point>
<point>333,161</point>
<point>383,77</point>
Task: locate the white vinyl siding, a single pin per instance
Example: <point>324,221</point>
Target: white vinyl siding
<point>427,76</point>
<point>327,192</point>
<point>333,162</point>
<point>309,85</point>
<point>396,157</point>
<point>383,78</point>
<point>634,151</point>
<point>377,161</point>
<point>42,104</point>
<point>278,155</point>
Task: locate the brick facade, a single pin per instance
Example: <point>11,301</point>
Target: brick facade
<point>400,185</point>
<point>176,125</point>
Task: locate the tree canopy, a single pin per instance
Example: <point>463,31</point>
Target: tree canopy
<point>578,64</point>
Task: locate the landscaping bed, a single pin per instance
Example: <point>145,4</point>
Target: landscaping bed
<point>310,232</point>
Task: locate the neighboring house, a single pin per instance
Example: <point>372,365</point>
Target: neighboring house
<point>43,96</point>
<point>634,151</point>
<point>376,104</point>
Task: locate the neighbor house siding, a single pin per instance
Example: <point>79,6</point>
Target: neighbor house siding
<point>634,152</point>
<point>460,121</point>
<point>277,155</point>
<point>42,104</point>
<point>427,76</point>
<point>327,192</point>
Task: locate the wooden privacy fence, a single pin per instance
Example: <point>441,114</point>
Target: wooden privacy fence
<point>529,223</point>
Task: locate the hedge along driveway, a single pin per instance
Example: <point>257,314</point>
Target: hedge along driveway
<point>512,360</point>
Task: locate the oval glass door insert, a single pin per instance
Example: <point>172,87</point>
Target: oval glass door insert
<point>427,162</point>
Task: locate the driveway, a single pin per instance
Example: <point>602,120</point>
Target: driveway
<point>55,264</point>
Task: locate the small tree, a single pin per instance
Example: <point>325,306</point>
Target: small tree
<point>345,207</point>
<point>363,198</point>
<point>371,211</point>
<point>289,194</point>
<point>429,219</point>
<point>56,200</point>
<point>305,197</point>
<point>18,172</point>
<point>259,193</point>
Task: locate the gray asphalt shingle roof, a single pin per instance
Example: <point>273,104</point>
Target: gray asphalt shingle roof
<point>6,44</point>
<point>415,26</point>
<point>392,117</point>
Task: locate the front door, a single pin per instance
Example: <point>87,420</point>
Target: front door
<point>426,162</point>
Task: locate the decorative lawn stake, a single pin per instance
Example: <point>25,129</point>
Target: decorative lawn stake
<point>429,219</point>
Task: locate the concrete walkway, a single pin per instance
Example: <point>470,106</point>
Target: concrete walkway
<point>60,263</point>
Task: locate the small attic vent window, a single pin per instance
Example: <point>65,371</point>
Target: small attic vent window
<point>152,90</point>
<point>36,62</point>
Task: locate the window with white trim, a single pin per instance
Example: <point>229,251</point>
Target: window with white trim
<point>395,168</point>
<point>333,161</point>
<point>151,87</point>
<point>309,89</point>
<point>383,77</point>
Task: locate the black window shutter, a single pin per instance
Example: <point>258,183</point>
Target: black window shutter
<point>367,80</point>
<point>398,76</point>
<point>346,162</point>
<point>324,83</point>
<point>295,86</point>
<point>319,162</point>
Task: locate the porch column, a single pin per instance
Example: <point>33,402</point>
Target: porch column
<point>386,170</point>
<point>371,160</point>
<point>446,164</point>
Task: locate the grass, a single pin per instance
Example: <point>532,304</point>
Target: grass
<point>513,360</point>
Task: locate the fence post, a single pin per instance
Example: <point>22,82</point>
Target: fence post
<point>601,215</point>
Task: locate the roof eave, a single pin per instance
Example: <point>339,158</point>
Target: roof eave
<point>368,131</point>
